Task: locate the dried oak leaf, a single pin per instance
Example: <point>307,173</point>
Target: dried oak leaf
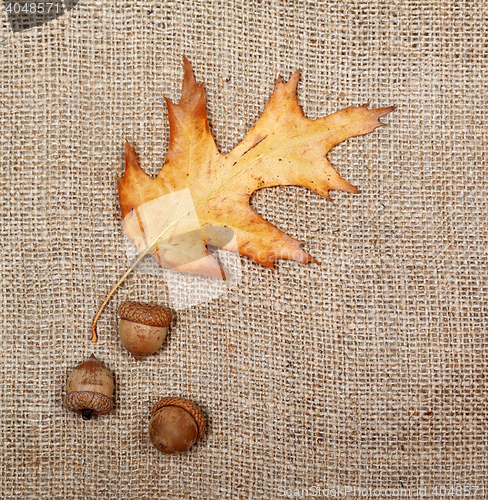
<point>201,197</point>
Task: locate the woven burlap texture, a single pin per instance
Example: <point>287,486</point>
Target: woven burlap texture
<point>366,372</point>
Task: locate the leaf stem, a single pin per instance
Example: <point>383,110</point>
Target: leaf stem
<point>112,291</point>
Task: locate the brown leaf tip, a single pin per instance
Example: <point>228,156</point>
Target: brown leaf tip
<point>129,150</point>
<point>293,81</point>
<point>191,91</point>
<point>379,112</point>
<point>291,84</point>
<point>131,163</point>
<point>188,70</point>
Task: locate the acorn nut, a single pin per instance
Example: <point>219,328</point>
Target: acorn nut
<point>89,389</point>
<point>176,424</point>
<point>143,327</point>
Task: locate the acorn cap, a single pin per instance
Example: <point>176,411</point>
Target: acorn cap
<point>79,401</point>
<point>145,314</point>
<point>186,405</point>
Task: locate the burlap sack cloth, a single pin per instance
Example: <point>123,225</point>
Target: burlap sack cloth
<point>366,374</point>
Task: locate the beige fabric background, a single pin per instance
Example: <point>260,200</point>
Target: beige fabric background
<point>368,371</point>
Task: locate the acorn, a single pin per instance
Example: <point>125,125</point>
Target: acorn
<point>176,425</point>
<point>89,389</point>
<point>143,327</point>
